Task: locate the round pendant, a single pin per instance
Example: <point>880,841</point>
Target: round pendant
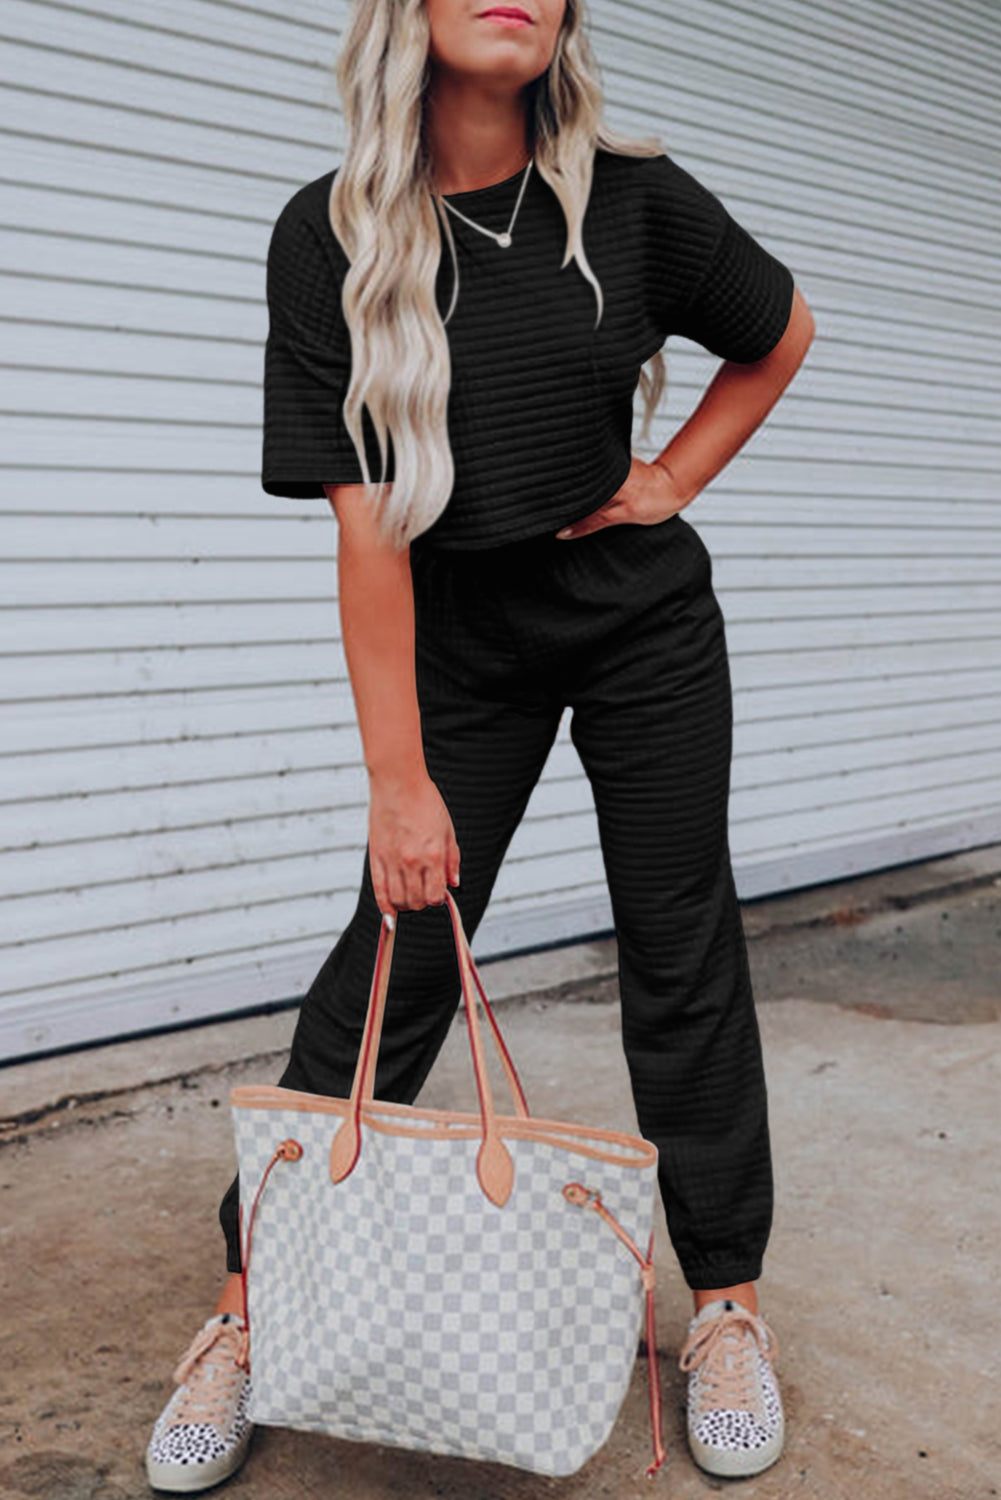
<point>504,240</point>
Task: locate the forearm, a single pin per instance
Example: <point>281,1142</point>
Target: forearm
<point>734,405</point>
<point>377,626</point>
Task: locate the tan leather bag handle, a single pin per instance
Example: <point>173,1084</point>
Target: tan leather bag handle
<point>494,1166</point>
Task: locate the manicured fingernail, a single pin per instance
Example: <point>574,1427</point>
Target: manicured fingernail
<point>567,531</point>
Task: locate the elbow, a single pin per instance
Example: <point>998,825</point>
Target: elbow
<point>790,351</point>
<point>802,325</point>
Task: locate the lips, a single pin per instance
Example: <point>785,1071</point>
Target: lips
<point>510,12</point>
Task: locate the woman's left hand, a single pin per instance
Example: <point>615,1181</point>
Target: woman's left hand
<point>650,494</point>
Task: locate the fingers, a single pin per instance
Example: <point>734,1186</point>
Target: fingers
<point>406,886</point>
<point>415,882</point>
<point>380,886</point>
<point>441,873</point>
<point>434,884</point>
<point>593,522</point>
<point>445,871</point>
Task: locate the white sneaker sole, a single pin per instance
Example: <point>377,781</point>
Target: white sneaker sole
<point>734,1463</point>
<point>184,1479</point>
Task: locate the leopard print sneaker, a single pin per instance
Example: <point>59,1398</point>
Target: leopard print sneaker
<point>735,1421</point>
<point>203,1433</point>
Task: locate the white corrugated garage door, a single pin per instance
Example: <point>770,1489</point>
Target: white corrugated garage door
<point>185,806</point>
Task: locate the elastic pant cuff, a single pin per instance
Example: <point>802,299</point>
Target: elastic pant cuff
<point>708,1278</point>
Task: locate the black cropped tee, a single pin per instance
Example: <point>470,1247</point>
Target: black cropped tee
<point>541,403</point>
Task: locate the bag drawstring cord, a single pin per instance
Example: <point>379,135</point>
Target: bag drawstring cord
<point>583,1197</point>
<point>287,1150</point>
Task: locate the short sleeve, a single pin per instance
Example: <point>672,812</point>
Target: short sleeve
<point>307,362</point>
<point>737,295</point>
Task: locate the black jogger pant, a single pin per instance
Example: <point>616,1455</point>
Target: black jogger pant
<point>623,626</point>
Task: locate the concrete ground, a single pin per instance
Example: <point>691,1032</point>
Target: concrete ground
<point>880,1007</point>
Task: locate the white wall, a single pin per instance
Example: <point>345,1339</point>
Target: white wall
<point>856,538</point>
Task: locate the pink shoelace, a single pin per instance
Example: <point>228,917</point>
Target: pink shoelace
<point>210,1372</point>
<point>726,1358</point>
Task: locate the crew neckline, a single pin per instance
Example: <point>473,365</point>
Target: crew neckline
<point>490,187</point>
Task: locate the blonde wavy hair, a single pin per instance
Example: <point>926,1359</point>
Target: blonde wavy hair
<point>387,214</point>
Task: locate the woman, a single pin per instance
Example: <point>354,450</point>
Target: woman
<point>515,558</point>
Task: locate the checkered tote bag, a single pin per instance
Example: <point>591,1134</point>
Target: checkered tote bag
<point>467,1284</point>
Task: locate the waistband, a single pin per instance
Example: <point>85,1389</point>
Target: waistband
<point>540,585</point>
<point>546,548</point>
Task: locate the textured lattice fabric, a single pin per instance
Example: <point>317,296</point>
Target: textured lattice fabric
<point>401,1306</point>
<point>541,403</point>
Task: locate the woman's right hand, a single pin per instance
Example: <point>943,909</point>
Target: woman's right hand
<point>413,851</point>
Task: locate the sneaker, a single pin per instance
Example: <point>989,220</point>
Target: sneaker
<point>203,1433</point>
<point>735,1420</point>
